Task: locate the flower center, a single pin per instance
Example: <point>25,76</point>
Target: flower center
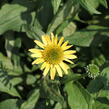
<point>53,54</point>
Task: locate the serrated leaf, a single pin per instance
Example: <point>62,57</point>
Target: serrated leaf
<point>6,86</point>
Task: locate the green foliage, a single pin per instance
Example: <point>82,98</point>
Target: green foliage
<point>30,103</point>
<point>84,23</point>
<point>91,36</point>
<point>10,104</point>
<point>55,4</point>
<point>63,14</point>
<point>14,20</point>
<point>77,93</point>
<point>6,86</point>
<point>54,92</point>
<point>89,5</point>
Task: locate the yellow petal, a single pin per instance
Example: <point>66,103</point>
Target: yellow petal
<point>70,56</point>
<point>64,44</point>
<point>39,43</point>
<point>43,65</point>
<point>47,68</point>
<point>67,47</point>
<point>36,55</point>
<point>34,50</point>
<point>59,70</point>
<point>44,39</point>
<point>52,37</point>
<point>38,61</point>
<point>48,39</point>
<point>56,39</point>
<point>69,51</point>
<point>65,67</point>
<point>61,41</point>
<point>52,73</point>
<point>68,60</point>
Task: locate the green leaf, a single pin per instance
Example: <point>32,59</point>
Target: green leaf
<point>105,73</point>
<point>16,57</point>
<point>30,4</point>
<point>72,77</point>
<point>10,104</point>
<point>78,97</point>
<point>92,36</point>
<point>104,3</point>
<point>61,16</point>
<point>99,105</point>
<point>55,4</point>
<point>34,32</point>
<point>11,17</point>
<point>98,57</point>
<point>44,13</point>
<point>95,86</point>
<point>104,92</point>
<point>6,62</point>
<point>99,87</point>
<point>52,91</point>
<point>12,46</point>
<point>62,26</point>
<point>16,80</point>
<point>7,86</point>
<point>14,16</point>
<point>89,5</point>
<point>9,43</point>
<point>69,29</point>
<point>82,38</point>
<point>58,106</point>
<point>31,101</point>
<point>30,79</point>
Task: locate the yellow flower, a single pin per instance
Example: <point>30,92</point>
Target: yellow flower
<point>52,55</point>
